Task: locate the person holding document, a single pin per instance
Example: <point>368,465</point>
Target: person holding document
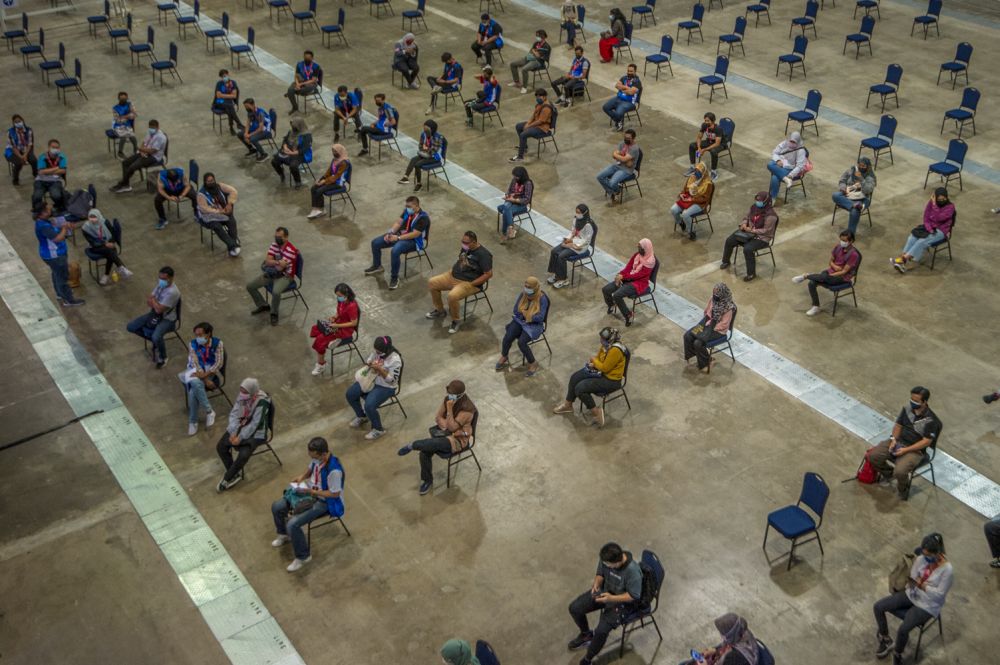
<point>206,358</point>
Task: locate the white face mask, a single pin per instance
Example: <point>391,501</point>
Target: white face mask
<point>53,151</point>
<point>844,244</point>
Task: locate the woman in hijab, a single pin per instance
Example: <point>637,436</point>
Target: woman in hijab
<point>428,152</point>
<point>458,652</point>
<point>516,201</point>
<point>380,377</point>
<point>527,324</point>
<point>756,231</point>
<point>575,246</point>
<point>939,217</point>
<point>404,60</point>
<point>100,236</point>
<point>331,180</point>
<point>570,17</point>
<point>714,324</point>
<point>787,162</point>
<point>609,38</point>
<point>632,281</point>
<point>295,147</point>
<point>247,429</point>
<point>693,199</point>
<point>738,647</point>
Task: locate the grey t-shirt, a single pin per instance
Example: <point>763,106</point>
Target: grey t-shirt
<point>617,581</point>
<point>633,151</point>
<point>168,296</point>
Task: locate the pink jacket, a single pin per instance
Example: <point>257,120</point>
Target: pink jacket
<point>938,219</point>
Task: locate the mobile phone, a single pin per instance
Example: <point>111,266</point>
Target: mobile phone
<point>697,656</point>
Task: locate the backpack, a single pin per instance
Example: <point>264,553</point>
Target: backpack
<point>648,586</point>
<point>866,474</point>
<point>900,573</point>
<point>79,204</point>
<point>764,656</point>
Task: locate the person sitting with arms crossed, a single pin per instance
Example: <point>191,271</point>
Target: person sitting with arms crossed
<point>296,147</point>
<point>916,428</point>
<point>489,38</point>
<point>451,432</point>
<point>404,60</point>
<point>227,96</point>
<point>20,150</point>
<point>471,271</point>
<point>844,260</point>
<point>50,178</point>
<point>537,58</point>
<point>623,168</point>
<point>171,185</point>
<point>408,233</point>
<point>628,88</point>
<point>257,129</point>
<point>161,317</point>
<point>277,272</point>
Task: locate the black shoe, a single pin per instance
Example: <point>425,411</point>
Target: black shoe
<point>683,225</point>
<point>336,137</point>
<point>274,319</point>
<point>989,399</point>
<point>160,362</point>
<point>261,157</point>
<point>261,309</point>
<point>364,151</point>
<point>629,318</point>
<point>580,641</point>
<point>394,283</point>
<point>749,278</point>
<point>611,309</point>
<point>417,187</point>
<point>691,235</point>
<point>723,265</point>
<point>884,646</point>
<point>15,182</point>
<point>251,151</point>
<point>372,270</point>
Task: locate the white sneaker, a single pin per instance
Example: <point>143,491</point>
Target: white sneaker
<point>524,90</point>
<point>513,84</point>
<point>209,419</point>
<point>374,434</point>
<point>103,281</point>
<point>297,564</point>
<point>314,213</point>
<point>787,181</point>
<point>280,540</point>
<point>358,421</point>
<point>798,279</point>
<point>995,211</point>
<point>430,109</point>
<point>812,311</point>
<point>235,251</point>
<point>192,429</point>
<point>551,279</point>
<point>560,284</point>
<point>124,272</point>
<point>318,369</point>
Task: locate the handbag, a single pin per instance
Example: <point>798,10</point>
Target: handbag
<point>919,232</point>
<point>365,378</point>
<point>325,327</point>
<point>299,503</point>
<point>743,236</point>
<point>900,574</point>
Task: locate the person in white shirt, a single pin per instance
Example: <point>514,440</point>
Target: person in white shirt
<point>152,152</point>
<point>787,163</point>
<point>375,383</point>
<point>575,246</point>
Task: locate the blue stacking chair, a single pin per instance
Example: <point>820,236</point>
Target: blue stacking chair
<point>293,290</point>
<point>735,38</point>
<point>644,11</point>
<point>662,58</point>
<point>890,88</point>
<point>944,243</point>
<point>862,36</point>
<point>794,522</point>
<point>581,13</point>
<point>728,127</point>
<point>282,7</point>
<point>951,168</point>
<point>882,142</point>
<point>239,51</point>
<point>807,21</point>
<point>846,288</point>
<point>584,260</point>
<point>762,7</point>
<point>693,25</point>
<point>437,168</point>
<point>389,138</point>
<point>169,66</point>
<point>417,16</point>
<point>270,136</point>
<point>932,17</point>
<point>491,111</point>
<point>116,34</point>
<point>452,91</point>
<point>869,6</point>
<point>49,66</point>
<point>647,296</point>
<point>623,45</point>
<point>307,16</point>
<point>380,7</point>
<point>723,344</point>
<point>184,20</point>
<point>468,452</point>
<point>716,79</point>
<point>809,114</point>
<point>316,95</point>
<point>643,617</point>
<point>218,33</point>
<point>796,58</point>
<point>965,113</point>
<point>342,193</point>
<point>922,628</point>
<point>137,50</point>
<point>29,50</point>
<point>164,10</point>
<point>484,652</point>
<point>99,19</point>
<point>335,29</point>
<point>17,33</point>
<point>72,82</point>
<point>959,66</point>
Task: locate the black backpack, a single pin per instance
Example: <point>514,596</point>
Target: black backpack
<point>79,204</point>
<point>648,586</point>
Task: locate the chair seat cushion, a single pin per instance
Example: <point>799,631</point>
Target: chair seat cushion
<point>790,57</point>
<point>335,191</point>
<point>487,109</point>
<point>13,34</point>
<point>100,18</point>
<point>431,166</point>
<point>791,521</point>
<point>689,25</point>
<point>657,58</point>
<point>331,28</point>
<point>944,168</point>
<point>215,33</point>
<point>857,37</point>
<point>875,143</point>
<point>92,255</point>
<point>925,19</point>
<point>31,48</point>
<point>717,341</point>
<point>953,66</point>
<point>50,64</point>
<point>882,89</point>
<point>935,244</point>
<point>803,20</point>
<point>837,287</point>
<point>166,6</point>
<point>186,19</point>
<point>730,39</point>
<point>382,137</point>
<point>139,48</point>
<point>867,4</point>
<point>802,116</point>
<point>65,83</point>
<point>240,48</point>
<point>118,32</point>
<point>110,133</point>
<point>302,16</point>
<point>162,64</point>
<point>642,9</point>
<point>412,13</point>
<point>757,8</point>
<point>958,114</point>
<point>711,80</point>
<point>278,3</point>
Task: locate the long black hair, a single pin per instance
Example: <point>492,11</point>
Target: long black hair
<point>384,345</point>
<point>520,174</point>
<point>346,290</point>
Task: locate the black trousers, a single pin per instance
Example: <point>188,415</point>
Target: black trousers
<point>317,193</point>
<point>408,67</point>
<point>416,163</point>
<point>159,200</point>
<point>280,161</point>
<point>750,248</point>
<point>134,163</point>
<point>109,253</point>
<point>821,278</point>
<point>609,620</point>
<point>303,91</point>
<point>615,295</point>
<point>566,87</point>
<point>243,452</point>
<point>366,132</point>
<point>714,152</point>
<point>514,332</point>
<point>697,344</point>
<point>226,230</point>
<point>584,383</point>
<point>484,51</point>
<point>475,106</point>
<point>427,448</point>
<point>230,108</point>
<point>914,618</point>
<point>356,119</point>
<point>17,164</point>
<point>54,189</point>
<point>992,531</point>
<point>559,258</point>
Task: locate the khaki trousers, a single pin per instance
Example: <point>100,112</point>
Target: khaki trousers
<point>457,289</point>
<point>904,464</point>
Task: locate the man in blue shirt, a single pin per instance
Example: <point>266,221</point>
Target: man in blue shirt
<point>576,79</point>
<point>20,149</point>
<point>227,96</point>
<point>51,235</point>
<point>449,81</point>
<point>346,108</point>
<point>51,177</point>
<point>628,88</point>
<point>173,186</point>
<point>408,234</point>
<point>308,77</point>
<point>385,123</point>
<point>258,128</point>
<point>489,38</point>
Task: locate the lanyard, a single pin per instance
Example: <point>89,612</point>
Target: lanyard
<point>51,161</point>
<point>307,70</point>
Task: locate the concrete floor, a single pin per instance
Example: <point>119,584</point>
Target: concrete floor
<point>522,537</point>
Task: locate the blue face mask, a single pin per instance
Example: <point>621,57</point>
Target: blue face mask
<point>453,398</point>
<point>539,100</point>
<point>529,292</point>
<point>152,131</point>
<point>162,283</point>
<point>409,210</point>
<point>759,204</point>
<point>225,79</point>
<point>915,405</point>
<point>341,298</point>
<point>930,559</point>
<point>201,340</point>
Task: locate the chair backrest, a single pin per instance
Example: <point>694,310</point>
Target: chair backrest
<point>934,8</point>
<point>801,42</point>
<point>116,232</point>
<point>581,13</point>
<point>857,268</point>
<point>638,163</point>
<point>732,321</point>
<point>812,9</point>
<point>421,4</point>
<point>93,194</point>
<point>274,120</point>
<point>728,127</point>
<point>225,21</point>
<point>173,53</point>
<point>722,66</point>
<point>348,172</point>
<point>180,303</point>
<point>41,38</point>
<point>628,361</point>
<point>893,75</point>
<point>651,4</point>
<point>970,99</point>
<point>313,6</point>
<point>107,8</point>
<point>593,239</point>
<point>814,494</point>
<point>628,31</point>
<point>24,21</point>
<point>813,100</point>
<point>128,22</point>
<point>62,53</point>
<point>250,36</point>
<point>653,275</point>
<point>444,150</point>
<point>666,45</point>
<point>484,652</point>
<point>340,18</point>
<point>650,560</point>
<point>197,8</point>
<point>78,69</point>
<point>741,26</point>
<point>887,127</point>
<point>698,13</point>
<point>269,424</point>
<point>299,265</point>
<point>150,35</point>
<point>867,26</point>
<point>956,151</point>
<point>963,53</point>
<point>193,173</point>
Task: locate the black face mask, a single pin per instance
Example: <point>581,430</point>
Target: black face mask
<point>279,241</point>
<point>213,187</point>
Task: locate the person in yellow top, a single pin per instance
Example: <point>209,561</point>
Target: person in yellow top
<point>602,375</point>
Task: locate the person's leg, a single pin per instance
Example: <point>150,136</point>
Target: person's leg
<point>570,33</point>
<point>293,170</point>
<point>714,152</point>
<point>196,397</point>
<point>58,195</point>
<point>378,244</point>
<point>586,389</point>
<point>278,287</point>
<point>457,295</point>
<point>992,531</point>
<point>278,164</point>
<point>691,211</point>
<point>158,205</point>
<point>692,149</point>
<point>604,178</point>
<point>427,448</point>
<point>562,258</point>
<point>887,605</point>
<point>373,398</point>
<point>365,131</point>
<point>436,285</point>
<point>689,350</point>
<point>523,343</point>
<point>727,251</point>
<point>127,165</point>
<point>316,196</point>
<point>296,528</point>
<point>255,140</point>
<point>921,245</point>
<point>511,333</point>
<point>557,86</point>
<point>59,267</point>
<point>419,171</point>
<point>904,466</point>
<point>16,165</point>
<point>400,248</point>
<point>607,623</point>
<point>139,163</point>
<point>701,347</point>
<point>777,173</point>
<point>750,254</point>
<point>626,290</point>
<point>532,66</point>
<point>821,278</point>
<point>254,287</point>
<point>477,49</point>
<point>280,510</point>
<point>159,334</point>
<point>219,230</point>
<point>514,66</point>
<point>878,457</point>
<point>37,193</point>
<point>137,325</point>
<point>617,178</point>
<point>336,126</point>
<point>609,106</point>
<point>225,450</point>
<point>530,133</point>
<point>914,618</point>
<point>488,53</point>
<point>574,379</point>
<point>411,165</point>
<point>607,290</point>
<point>581,606</point>
<point>353,397</point>
<point>290,94</point>
<point>506,217</point>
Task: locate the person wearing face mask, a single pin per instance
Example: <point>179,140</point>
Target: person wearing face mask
<point>489,38</point>
<point>308,77</point>
<point>537,127</point>
<point>574,81</point>
<point>277,274</point>
<point>346,108</point>
<point>50,178</point>
<point>844,260</point>
<point>227,96</point>
<point>710,139</point>
<point>338,329</point>
<point>471,271</point>
<point>429,145</point>
<point>527,324</point>
<point>296,149</point>
<point>318,492</point>
<point>99,234</point>
<point>788,161</point>
<point>601,375</point>
<point>715,323</point>
<point>625,157</point>
<point>152,152</point>
<point>20,149</point>
<point>246,430</point>
<point>450,434</point>
<point>693,199</point>
<point>449,81</point>
<point>458,652</point>
<point>171,185</point>
<point>537,58</point>
<point>939,218</point>
<point>384,125</point>
<point>51,235</point>
<point>516,201</point>
<point>756,231</point>
<point>381,380</point>
<point>570,21</point>
<point>161,317</point>
<point>216,204</point>
<point>577,245</point>
<point>407,234</point>
<point>123,116</point>
<point>404,60</point>
<point>854,192</point>
<point>738,647</point>
<point>631,281</point>
<point>487,99</point>
<point>931,577</point>
<point>916,428</point>
<point>615,35</point>
<point>628,89</point>
<point>334,179</point>
<point>259,127</point>
<point>206,357</point>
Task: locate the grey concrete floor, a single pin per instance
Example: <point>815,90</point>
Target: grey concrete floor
<point>690,471</point>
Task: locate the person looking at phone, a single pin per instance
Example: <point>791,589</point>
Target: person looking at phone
<point>374,383</point>
<point>916,428</point>
<point>738,647</point>
<point>602,374</point>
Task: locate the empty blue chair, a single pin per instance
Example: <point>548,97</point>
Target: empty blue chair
<point>304,17</point>
<point>868,6</point>
<point>99,19</point>
<point>735,38</point>
<point>797,58</point>
<point>17,33</point>
<point>380,7</point>
<point>164,10</point>
<point>694,25</point>
<point>184,20</point>
<point>882,142</point>
<point>485,654</point>
<point>807,21</point>
<point>932,17</point>
<point>965,113</point>
<point>336,29</point>
<point>951,168</point>
<point>218,33</point>
<point>644,11</point>
<point>169,66</point>
<point>240,51</point>
<point>809,114</point>
<point>762,7</point>
<point>795,523</point>
<point>72,82</point>
<point>116,34</point>
<point>890,88</point>
<point>717,79</point>
<point>281,6</point>
<point>862,36</point>
<point>417,16</point>
<point>661,59</point>
<point>623,44</point>
<point>29,50</point>
<point>959,66</point>
<point>49,66</point>
<point>137,50</point>
<point>728,127</point>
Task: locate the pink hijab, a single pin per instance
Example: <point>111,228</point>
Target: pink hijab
<point>647,261</point>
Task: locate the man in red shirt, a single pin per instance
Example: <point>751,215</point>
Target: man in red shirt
<point>277,272</point>
<point>844,260</point>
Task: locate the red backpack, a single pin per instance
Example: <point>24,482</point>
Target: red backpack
<point>866,474</point>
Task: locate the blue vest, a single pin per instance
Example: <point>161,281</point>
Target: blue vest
<point>225,87</point>
<point>491,92</point>
<point>384,114</point>
<point>427,142</point>
<point>490,29</point>
<point>260,120</point>
<point>205,359</point>
<point>409,221</point>
<point>631,82</point>
<point>15,139</point>
<point>334,505</point>
<point>223,199</point>
<point>576,69</point>
<point>307,154</point>
<point>346,105</point>
<point>48,249</point>
<point>452,71</point>
<point>176,187</point>
<point>123,109</point>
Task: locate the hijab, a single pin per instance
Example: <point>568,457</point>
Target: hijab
<point>756,216</point>
<point>458,652</point>
<point>585,219</point>
<point>98,228</point>
<point>339,150</point>
<point>298,127</point>
<point>249,403</point>
<point>939,192</point>
<point>736,636</point>
<point>647,261</point>
<point>698,182</point>
<point>408,41</point>
<point>721,306</point>
<point>530,305</point>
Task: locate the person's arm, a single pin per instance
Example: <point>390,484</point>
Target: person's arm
<point>204,206</point>
<point>543,310</point>
<point>231,194</point>
<point>921,444</point>
<point>234,423</point>
<point>777,153</point>
<point>517,304</point>
<point>598,583</point>
<point>937,586</point>
<point>50,232</point>
<point>584,238</point>
<point>704,198</point>
<point>329,494</point>
<point>800,163</point>
<point>409,235</point>
<point>164,307</point>
<point>248,430</point>
<point>642,273</point>
<point>439,417</point>
<point>58,169</point>
<point>460,428</point>
<point>766,231</point>
<point>220,356</point>
<point>485,277</point>
<point>161,191</point>
<point>844,177</point>
<point>301,478</point>
<point>612,358</point>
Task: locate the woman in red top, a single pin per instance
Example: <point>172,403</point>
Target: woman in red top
<point>337,330</point>
<point>632,281</point>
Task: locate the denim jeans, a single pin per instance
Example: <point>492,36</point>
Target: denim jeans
<point>524,134</point>
<point>399,248</point>
<point>777,173</point>
<point>914,617</point>
<point>684,216</point>
<point>290,525</point>
<point>916,247</point>
<point>507,211</point>
<point>515,332</point>
<point>197,397</point>
<point>847,204</point>
<point>616,108</point>
<point>560,256</point>
<point>611,178</point>
<point>372,400</point>
<point>139,326</point>
<point>60,278</point>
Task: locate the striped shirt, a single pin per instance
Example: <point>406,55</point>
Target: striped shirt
<point>288,252</point>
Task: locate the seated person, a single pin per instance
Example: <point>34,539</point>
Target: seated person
<point>123,116</point>
<point>693,199</point>
<point>573,247</point>
<point>216,204</point>
<point>171,185</point>
<point>346,108</point>
<point>537,58</point>
<point>486,99</point>
<point>570,17</point>
<point>20,151</point>
<point>623,168</point>
<point>227,96</point>
<point>206,358</point>
<point>526,325</point>
<point>992,531</point>
<point>151,153</point>
<point>277,274</point>
<point>489,38</point>
<point>450,80</point>
<point>756,231</point>
<point>296,149</point>
<point>337,329</point>
<point>50,178</point>
<point>457,652</point>
<point>628,88</point>
<point>575,80</point>
<point>614,36</point>
<point>450,434</point>
<point>708,139</point>
<point>404,60</point>
<point>631,281</point>
<point>322,485</point>
<point>916,428</point>
<point>385,123</point>
<point>428,152</point>
<point>844,260</point>
<point>408,234</point>
<point>939,217</point>
<point>308,75</point>
<point>516,201</point>
<point>854,191</point>
<point>788,162</point>
<point>258,128</point>
<point>246,430</point>
<point>614,593</point>
<point>738,647</point>
<point>334,179</point>
<point>539,125</point>
<point>931,577</point>
<point>471,271</point>
<point>161,317</point>
<point>381,381</point>
<point>602,375</point>
<point>714,324</point>
<point>99,235</point>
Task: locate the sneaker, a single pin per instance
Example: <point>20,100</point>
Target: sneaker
<point>192,429</point>
<point>280,540</point>
<point>787,181</point>
<point>122,189</point>
<point>318,369</point>
<point>417,187</point>
<point>995,563</point>
<point>551,279</point>
<point>585,661</point>
<point>690,171</point>
<point>619,126</point>
<point>261,157</point>
<point>683,225</point>
<point>812,311</point>
<point>562,408</point>
<point>524,90</point>
<point>357,422</point>
<point>103,281</point>
<point>393,283</point>
<point>749,278</point>
<point>897,658</point>
<point>435,314</point>
<point>992,397</point>
<point>161,362</point>
<point>363,152</point>
<point>798,279</point>
<point>403,181</point>
<point>224,485</point>
<point>314,213</point>
<point>250,151</point>
<point>74,303</point>
<point>995,211</point>
<point>560,284</point>
<point>405,450</point>
<point>374,434</point>
<point>336,137</point>
<point>430,109</point>
<point>453,328</point>
<point>599,418</point>
<point>297,564</point>
<point>898,265</point>
<point>723,265</point>
<point>234,252</point>
<point>372,270</point>
<point>209,419</point>
<point>513,84</point>
<point>161,224</point>
<point>425,487</point>
<point>714,175</point>
<point>580,641</point>
<point>516,158</point>
<point>260,309</point>
<point>884,646</point>
<point>124,272</point>
<point>629,318</point>
<point>274,319</point>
